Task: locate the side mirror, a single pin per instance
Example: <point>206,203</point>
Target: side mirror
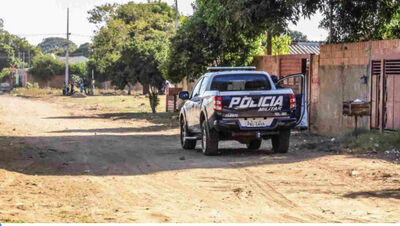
<point>184,95</point>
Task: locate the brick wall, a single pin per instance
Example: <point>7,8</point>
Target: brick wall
<point>349,54</point>
<point>56,81</point>
<point>269,64</point>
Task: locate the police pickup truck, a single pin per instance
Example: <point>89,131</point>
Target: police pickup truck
<point>238,103</point>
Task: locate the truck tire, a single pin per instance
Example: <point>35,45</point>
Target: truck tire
<point>280,143</point>
<point>186,144</point>
<point>209,140</point>
<point>254,145</point>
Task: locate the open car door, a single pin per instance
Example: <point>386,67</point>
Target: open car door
<point>298,83</point>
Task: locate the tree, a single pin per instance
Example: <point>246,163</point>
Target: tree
<point>102,13</point>
<point>1,24</point>
<point>79,69</point>
<point>280,44</point>
<point>19,47</point>
<point>297,36</point>
<point>4,73</point>
<point>46,66</point>
<point>201,41</point>
<point>392,29</point>
<point>6,56</point>
<point>56,45</point>
<point>83,50</point>
<point>352,21</point>
<point>133,44</point>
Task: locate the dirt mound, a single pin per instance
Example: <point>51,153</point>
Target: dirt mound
<point>78,95</point>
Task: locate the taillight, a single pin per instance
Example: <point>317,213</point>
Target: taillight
<point>218,103</point>
<point>292,101</point>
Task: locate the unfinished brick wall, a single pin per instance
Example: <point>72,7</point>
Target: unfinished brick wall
<point>341,67</point>
<point>269,64</point>
<point>56,81</point>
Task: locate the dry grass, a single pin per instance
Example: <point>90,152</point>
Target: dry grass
<point>103,100</point>
<point>122,104</point>
<point>36,92</point>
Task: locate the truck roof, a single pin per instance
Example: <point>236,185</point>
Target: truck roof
<point>235,72</point>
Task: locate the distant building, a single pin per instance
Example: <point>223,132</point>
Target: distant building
<point>77,59</point>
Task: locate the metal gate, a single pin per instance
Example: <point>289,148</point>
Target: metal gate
<point>385,99</point>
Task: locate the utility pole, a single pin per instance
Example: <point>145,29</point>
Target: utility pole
<point>29,56</point>
<point>67,53</point>
<point>19,59</point>
<point>176,14</point>
<point>330,21</point>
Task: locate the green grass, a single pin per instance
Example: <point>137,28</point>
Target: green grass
<point>372,141</point>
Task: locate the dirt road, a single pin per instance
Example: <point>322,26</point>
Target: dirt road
<point>62,165</point>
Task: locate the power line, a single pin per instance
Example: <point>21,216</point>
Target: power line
<point>30,35</point>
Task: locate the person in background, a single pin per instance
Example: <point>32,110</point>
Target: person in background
<point>81,86</point>
<point>72,87</point>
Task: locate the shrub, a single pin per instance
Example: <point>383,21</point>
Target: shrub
<point>46,66</point>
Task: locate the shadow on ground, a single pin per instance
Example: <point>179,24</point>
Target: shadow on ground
<point>389,193</point>
<point>165,118</point>
<point>116,130</point>
<point>128,155</point>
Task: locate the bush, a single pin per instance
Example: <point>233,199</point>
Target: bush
<point>32,86</point>
<point>46,66</point>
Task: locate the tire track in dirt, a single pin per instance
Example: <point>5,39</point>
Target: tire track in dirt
<point>276,197</point>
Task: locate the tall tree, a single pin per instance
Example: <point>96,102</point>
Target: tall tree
<point>56,45</point>
<point>6,56</point>
<point>392,29</point>
<point>133,44</point>
<point>1,24</point>
<point>14,49</point>
<point>356,20</point>
<point>82,50</point>
<point>297,36</point>
<point>202,40</point>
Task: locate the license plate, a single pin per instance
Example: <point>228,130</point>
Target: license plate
<point>256,123</point>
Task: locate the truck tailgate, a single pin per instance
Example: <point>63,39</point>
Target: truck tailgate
<point>274,103</point>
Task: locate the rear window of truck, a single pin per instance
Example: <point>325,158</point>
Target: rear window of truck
<point>240,82</point>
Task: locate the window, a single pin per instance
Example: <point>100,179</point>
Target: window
<point>240,82</point>
<point>196,89</point>
<point>204,85</point>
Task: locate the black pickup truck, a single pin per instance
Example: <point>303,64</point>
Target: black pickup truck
<point>239,104</point>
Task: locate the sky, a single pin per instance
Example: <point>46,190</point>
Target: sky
<point>38,19</point>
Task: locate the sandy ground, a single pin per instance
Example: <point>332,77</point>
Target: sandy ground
<point>57,165</point>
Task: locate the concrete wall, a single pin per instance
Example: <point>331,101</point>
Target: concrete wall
<point>339,79</point>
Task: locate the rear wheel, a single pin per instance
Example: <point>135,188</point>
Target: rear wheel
<point>209,140</point>
<point>280,143</point>
<point>186,144</point>
<point>254,145</point>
